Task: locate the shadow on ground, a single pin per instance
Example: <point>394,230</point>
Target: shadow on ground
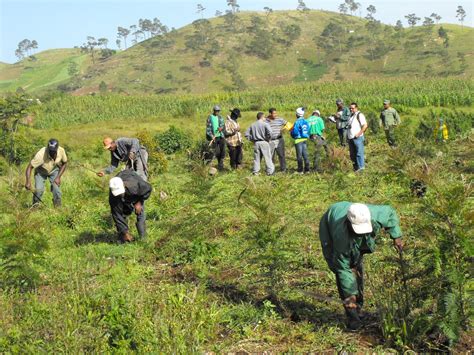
<point>93,238</point>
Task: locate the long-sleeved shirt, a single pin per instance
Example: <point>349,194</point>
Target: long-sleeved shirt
<point>233,136</point>
<point>136,190</point>
<point>125,146</point>
<point>259,131</point>
<point>390,117</point>
<point>342,248</point>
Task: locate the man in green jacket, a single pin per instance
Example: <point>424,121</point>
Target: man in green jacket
<point>316,129</point>
<point>347,231</point>
<point>390,119</point>
<point>215,127</point>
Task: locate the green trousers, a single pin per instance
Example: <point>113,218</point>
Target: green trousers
<point>390,134</point>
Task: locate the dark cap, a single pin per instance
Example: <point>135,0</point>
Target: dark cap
<point>53,145</point>
<point>235,112</point>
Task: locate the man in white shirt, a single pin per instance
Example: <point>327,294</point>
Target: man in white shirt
<point>356,127</point>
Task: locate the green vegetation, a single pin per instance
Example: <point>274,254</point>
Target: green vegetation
<point>249,50</point>
<point>65,110</point>
<point>233,262</point>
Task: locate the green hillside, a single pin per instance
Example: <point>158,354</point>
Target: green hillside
<point>45,69</point>
<point>254,50</point>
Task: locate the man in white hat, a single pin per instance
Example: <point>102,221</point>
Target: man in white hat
<point>300,133</point>
<point>347,231</point>
<point>128,192</point>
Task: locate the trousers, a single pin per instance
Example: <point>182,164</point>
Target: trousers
<point>40,180</point>
<point>277,147</point>
<point>262,149</point>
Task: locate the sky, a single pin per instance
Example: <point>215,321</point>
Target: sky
<point>67,23</point>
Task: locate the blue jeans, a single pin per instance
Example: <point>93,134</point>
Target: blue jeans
<point>302,154</point>
<point>40,180</point>
<point>356,150</point>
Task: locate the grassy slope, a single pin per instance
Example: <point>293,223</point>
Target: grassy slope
<point>48,70</point>
<point>159,296</point>
<point>145,68</point>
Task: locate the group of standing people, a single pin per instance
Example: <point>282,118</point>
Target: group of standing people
<point>267,136</point>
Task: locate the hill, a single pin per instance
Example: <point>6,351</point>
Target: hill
<point>254,50</point>
<point>47,69</point>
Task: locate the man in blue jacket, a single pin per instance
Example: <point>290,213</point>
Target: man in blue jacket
<point>300,133</point>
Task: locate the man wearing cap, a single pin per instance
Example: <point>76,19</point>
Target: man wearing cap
<point>300,133</point>
<point>347,231</point>
<point>127,194</point>
<point>234,139</point>
<point>126,150</point>
<point>277,143</point>
<point>342,117</point>
<point>390,119</point>
<point>49,163</point>
<point>215,134</point>
<point>260,134</point>
<point>316,129</point>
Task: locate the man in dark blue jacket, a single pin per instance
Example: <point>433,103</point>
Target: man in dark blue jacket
<point>128,192</point>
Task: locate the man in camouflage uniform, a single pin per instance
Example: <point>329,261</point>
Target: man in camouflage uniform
<point>390,119</point>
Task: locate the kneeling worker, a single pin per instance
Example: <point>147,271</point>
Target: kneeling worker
<point>128,192</point>
<point>347,231</point>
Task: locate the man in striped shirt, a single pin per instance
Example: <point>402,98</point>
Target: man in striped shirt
<point>277,143</point>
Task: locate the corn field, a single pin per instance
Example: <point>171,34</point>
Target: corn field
<point>369,94</point>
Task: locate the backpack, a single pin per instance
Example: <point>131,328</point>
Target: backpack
<point>300,129</point>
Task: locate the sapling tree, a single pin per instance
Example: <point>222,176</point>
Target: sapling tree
<point>461,15</point>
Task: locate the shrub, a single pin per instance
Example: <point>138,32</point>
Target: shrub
<point>157,162</point>
<point>173,140</point>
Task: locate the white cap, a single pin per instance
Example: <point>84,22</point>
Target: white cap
<point>359,216</point>
<point>317,112</point>
<point>300,112</point>
<point>116,186</point>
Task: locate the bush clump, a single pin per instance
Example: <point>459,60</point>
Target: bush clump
<point>173,140</point>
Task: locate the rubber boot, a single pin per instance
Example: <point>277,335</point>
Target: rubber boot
<point>57,203</point>
<point>353,320</point>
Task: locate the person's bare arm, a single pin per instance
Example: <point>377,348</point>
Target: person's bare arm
<point>29,168</point>
<point>57,181</point>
